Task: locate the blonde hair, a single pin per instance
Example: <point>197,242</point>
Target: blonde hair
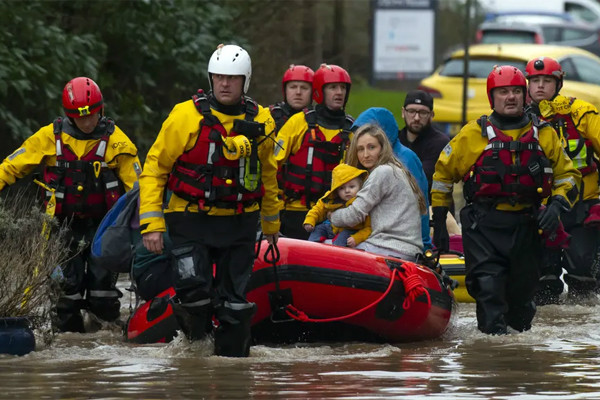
<point>386,156</point>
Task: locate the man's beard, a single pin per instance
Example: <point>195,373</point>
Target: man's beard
<point>419,129</point>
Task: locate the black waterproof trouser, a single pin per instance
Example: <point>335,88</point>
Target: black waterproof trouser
<point>502,259</point>
<point>85,285</point>
<point>200,242</point>
<point>580,260</point>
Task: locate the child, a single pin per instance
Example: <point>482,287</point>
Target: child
<point>345,183</point>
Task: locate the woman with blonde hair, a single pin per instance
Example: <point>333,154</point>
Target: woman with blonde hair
<point>390,196</point>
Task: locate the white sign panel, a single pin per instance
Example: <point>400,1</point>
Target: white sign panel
<point>403,43</point>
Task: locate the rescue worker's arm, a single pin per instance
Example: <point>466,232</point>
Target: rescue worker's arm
<point>124,159</point>
<point>31,153</point>
<point>271,204</point>
<point>566,177</point>
<point>289,138</point>
<point>587,121</point>
<point>128,170</point>
<point>176,132</point>
<point>455,161</point>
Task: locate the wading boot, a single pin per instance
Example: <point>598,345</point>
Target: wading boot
<point>232,337</point>
<point>550,286</point>
<point>68,316</point>
<point>581,290</point>
<point>194,321</point>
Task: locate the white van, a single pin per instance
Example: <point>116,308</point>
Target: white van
<point>586,10</point>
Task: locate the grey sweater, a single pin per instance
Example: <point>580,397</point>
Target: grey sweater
<point>395,218</point>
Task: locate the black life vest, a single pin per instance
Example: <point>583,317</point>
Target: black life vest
<point>84,186</point>
<point>510,170</point>
<point>204,176</point>
<point>307,173</point>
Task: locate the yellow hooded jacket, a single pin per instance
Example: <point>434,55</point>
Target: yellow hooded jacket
<point>40,148</point>
<point>178,134</point>
<point>289,140</point>
<point>466,147</point>
<point>587,122</point>
<point>341,175</point>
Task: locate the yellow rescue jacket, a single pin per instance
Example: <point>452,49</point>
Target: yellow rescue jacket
<point>40,148</point>
<point>587,123</point>
<point>178,134</point>
<point>341,175</point>
<point>466,147</point>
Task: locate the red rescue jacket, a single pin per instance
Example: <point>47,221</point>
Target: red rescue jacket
<point>513,170</point>
<point>203,176</point>
<point>84,187</point>
<point>307,173</point>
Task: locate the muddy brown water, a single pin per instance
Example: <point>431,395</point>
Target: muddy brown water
<point>558,359</point>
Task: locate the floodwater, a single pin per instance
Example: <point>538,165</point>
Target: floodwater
<point>558,359</point>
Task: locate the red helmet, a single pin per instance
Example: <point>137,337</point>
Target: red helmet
<point>505,75</point>
<point>329,73</point>
<point>545,66</point>
<point>297,73</point>
<point>81,96</point>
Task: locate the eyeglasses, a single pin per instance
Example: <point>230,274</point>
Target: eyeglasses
<point>422,113</point>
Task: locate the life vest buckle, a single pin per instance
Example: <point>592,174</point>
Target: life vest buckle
<point>534,169</point>
<point>514,146</point>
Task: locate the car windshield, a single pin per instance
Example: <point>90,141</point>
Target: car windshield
<point>502,36</point>
<point>478,68</point>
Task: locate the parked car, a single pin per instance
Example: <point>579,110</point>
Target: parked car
<point>585,10</point>
<point>527,17</point>
<point>582,78</point>
<point>565,33</point>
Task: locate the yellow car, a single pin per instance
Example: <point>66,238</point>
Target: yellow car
<point>582,79</point>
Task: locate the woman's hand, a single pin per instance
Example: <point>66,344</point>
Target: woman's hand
<point>309,228</point>
<point>351,242</point>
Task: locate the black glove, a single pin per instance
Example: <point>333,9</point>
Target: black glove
<point>549,217</point>
<point>441,239</point>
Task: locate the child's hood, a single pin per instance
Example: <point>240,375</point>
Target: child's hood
<point>343,174</point>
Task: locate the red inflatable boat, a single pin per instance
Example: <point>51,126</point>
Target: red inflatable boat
<point>153,321</point>
<point>309,291</point>
<point>312,291</point>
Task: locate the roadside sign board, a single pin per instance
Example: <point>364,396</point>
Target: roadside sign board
<point>403,39</point>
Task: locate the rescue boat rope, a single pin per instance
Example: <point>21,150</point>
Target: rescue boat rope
<point>413,287</point>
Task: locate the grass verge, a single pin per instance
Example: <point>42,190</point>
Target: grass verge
<point>363,97</point>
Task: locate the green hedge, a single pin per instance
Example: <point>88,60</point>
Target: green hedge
<point>363,97</point>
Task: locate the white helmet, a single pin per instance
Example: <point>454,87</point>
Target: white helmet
<point>230,60</point>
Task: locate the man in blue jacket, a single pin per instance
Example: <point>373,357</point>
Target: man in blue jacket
<point>385,119</point>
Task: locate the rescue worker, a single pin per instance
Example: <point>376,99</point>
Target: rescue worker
<point>296,85</point>
<point>310,145</point>
<point>88,163</point>
<point>215,154</point>
<point>578,126</point>
<point>509,162</point>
